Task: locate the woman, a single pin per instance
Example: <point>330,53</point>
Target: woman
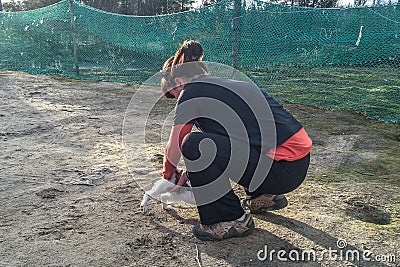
<point>273,154</point>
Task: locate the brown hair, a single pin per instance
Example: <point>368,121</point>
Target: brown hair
<point>166,82</point>
<point>189,51</point>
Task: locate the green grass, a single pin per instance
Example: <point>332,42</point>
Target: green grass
<point>371,91</point>
<point>374,92</point>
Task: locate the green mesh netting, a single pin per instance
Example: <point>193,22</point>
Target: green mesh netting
<point>331,58</point>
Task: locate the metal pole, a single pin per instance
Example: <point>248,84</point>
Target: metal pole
<point>236,32</point>
<point>71,11</point>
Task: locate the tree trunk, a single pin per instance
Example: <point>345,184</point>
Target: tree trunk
<point>236,33</point>
<point>101,6</point>
<point>1,6</point>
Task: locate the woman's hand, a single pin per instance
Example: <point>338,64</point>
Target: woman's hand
<point>182,180</point>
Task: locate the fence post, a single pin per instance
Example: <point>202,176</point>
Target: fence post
<point>71,11</point>
<point>236,32</point>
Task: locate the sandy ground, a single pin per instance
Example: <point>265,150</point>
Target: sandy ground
<point>69,199</point>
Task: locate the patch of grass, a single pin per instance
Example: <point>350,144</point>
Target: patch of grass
<point>392,228</point>
<point>366,212</point>
<point>384,169</point>
<point>332,177</point>
<point>374,92</point>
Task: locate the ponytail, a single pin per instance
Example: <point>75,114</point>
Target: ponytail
<point>189,51</point>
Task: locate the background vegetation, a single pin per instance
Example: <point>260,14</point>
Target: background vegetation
<point>157,7</point>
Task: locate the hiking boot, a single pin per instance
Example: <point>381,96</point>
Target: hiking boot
<point>224,230</point>
<point>265,202</point>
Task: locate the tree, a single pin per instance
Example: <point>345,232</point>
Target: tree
<point>141,7</point>
<point>360,2</point>
<point>1,6</point>
<point>24,5</point>
<point>13,6</point>
<point>29,4</point>
<point>309,3</point>
<point>127,7</point>
<point>209,2</point>
<point>186,4</point>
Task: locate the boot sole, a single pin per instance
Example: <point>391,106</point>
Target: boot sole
<point>231,233</point>
<point>279,204</point>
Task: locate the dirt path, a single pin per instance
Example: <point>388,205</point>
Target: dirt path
<point>69,199</point>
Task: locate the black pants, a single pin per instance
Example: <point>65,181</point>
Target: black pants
<point>282,177</point>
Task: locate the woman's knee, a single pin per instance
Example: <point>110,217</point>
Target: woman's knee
<point>190,145</point>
